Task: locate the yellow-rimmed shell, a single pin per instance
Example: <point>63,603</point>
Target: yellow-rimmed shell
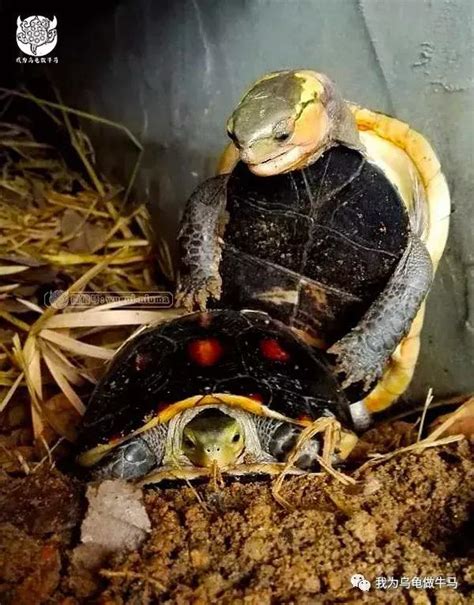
<point>411,164</point>
<point>409,161</point>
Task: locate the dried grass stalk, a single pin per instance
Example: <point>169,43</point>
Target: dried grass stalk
<point>434,439</point>
<point>71,231</point>
<point>330,428</point>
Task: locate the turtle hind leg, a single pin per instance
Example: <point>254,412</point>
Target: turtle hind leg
<point>130,460</point>
<point>399,371</point>
<point>134,458</point>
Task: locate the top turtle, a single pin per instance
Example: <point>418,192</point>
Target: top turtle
<point>330,217</point>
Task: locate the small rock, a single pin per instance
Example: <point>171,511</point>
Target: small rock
<point>116,521</point>
<point>199,558</point>
<point>255,548</point>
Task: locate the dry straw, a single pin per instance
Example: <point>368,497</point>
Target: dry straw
<point>66,230</point>
<point>330,429</point>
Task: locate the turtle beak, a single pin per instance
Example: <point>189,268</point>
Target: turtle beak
<point>215,455</point>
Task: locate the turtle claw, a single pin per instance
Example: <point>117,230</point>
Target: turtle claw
<point>193,295</point>
<point>190,301</point>
<point>356,362</point>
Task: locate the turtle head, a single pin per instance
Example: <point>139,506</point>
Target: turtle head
<point>287,119</point>
<point>213,437</point>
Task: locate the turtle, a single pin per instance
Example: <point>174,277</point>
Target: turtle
<point>221,388</point>
<point>330,217</point>
<point>37,31</point>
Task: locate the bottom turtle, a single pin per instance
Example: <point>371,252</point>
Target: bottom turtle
<point>227,389</point>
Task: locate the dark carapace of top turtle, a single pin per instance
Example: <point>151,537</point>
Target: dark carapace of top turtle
<point>312,247</point>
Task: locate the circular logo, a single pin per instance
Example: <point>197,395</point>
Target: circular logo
<point>57,300</point>
<point>36,35</point>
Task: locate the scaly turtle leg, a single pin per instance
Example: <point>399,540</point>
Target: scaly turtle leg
<point>363,354</point>
<point>200,244</point>
<point>399,371</point>
<point>278,438</point>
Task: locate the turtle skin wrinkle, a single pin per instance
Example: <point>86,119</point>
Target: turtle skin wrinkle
<point>364,351</point>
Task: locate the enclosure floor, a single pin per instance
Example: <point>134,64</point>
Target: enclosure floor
<point>408,516</point>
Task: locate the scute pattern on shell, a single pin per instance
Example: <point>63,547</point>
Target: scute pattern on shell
<point>314,247</point>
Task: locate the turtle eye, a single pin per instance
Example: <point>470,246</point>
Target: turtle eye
<point>236,437</point>
<point>282,131</point>
<point>282,136</point>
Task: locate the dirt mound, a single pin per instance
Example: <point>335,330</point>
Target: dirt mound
<point>407,517</point>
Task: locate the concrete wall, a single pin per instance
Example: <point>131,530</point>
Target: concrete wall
<point>172,71</point>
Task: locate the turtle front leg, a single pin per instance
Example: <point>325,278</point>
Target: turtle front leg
<point>128,461</point>
<point>200,245</point>
<point>135,458</point>
<point>363,354</point>
<point>278,438</point>
<point>399,371</point>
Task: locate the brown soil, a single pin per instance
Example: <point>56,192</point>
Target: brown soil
<point>408,516</point>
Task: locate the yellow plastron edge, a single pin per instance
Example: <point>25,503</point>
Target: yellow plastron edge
<point>94,455</point>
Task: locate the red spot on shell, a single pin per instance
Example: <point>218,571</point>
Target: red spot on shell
<point>205,351</point>
<point>272,349</point>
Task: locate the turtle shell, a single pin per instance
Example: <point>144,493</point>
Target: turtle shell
<point>241,353</point>
<point>313,247</point>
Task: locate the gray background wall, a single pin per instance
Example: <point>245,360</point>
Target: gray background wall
<point>172,71</point>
